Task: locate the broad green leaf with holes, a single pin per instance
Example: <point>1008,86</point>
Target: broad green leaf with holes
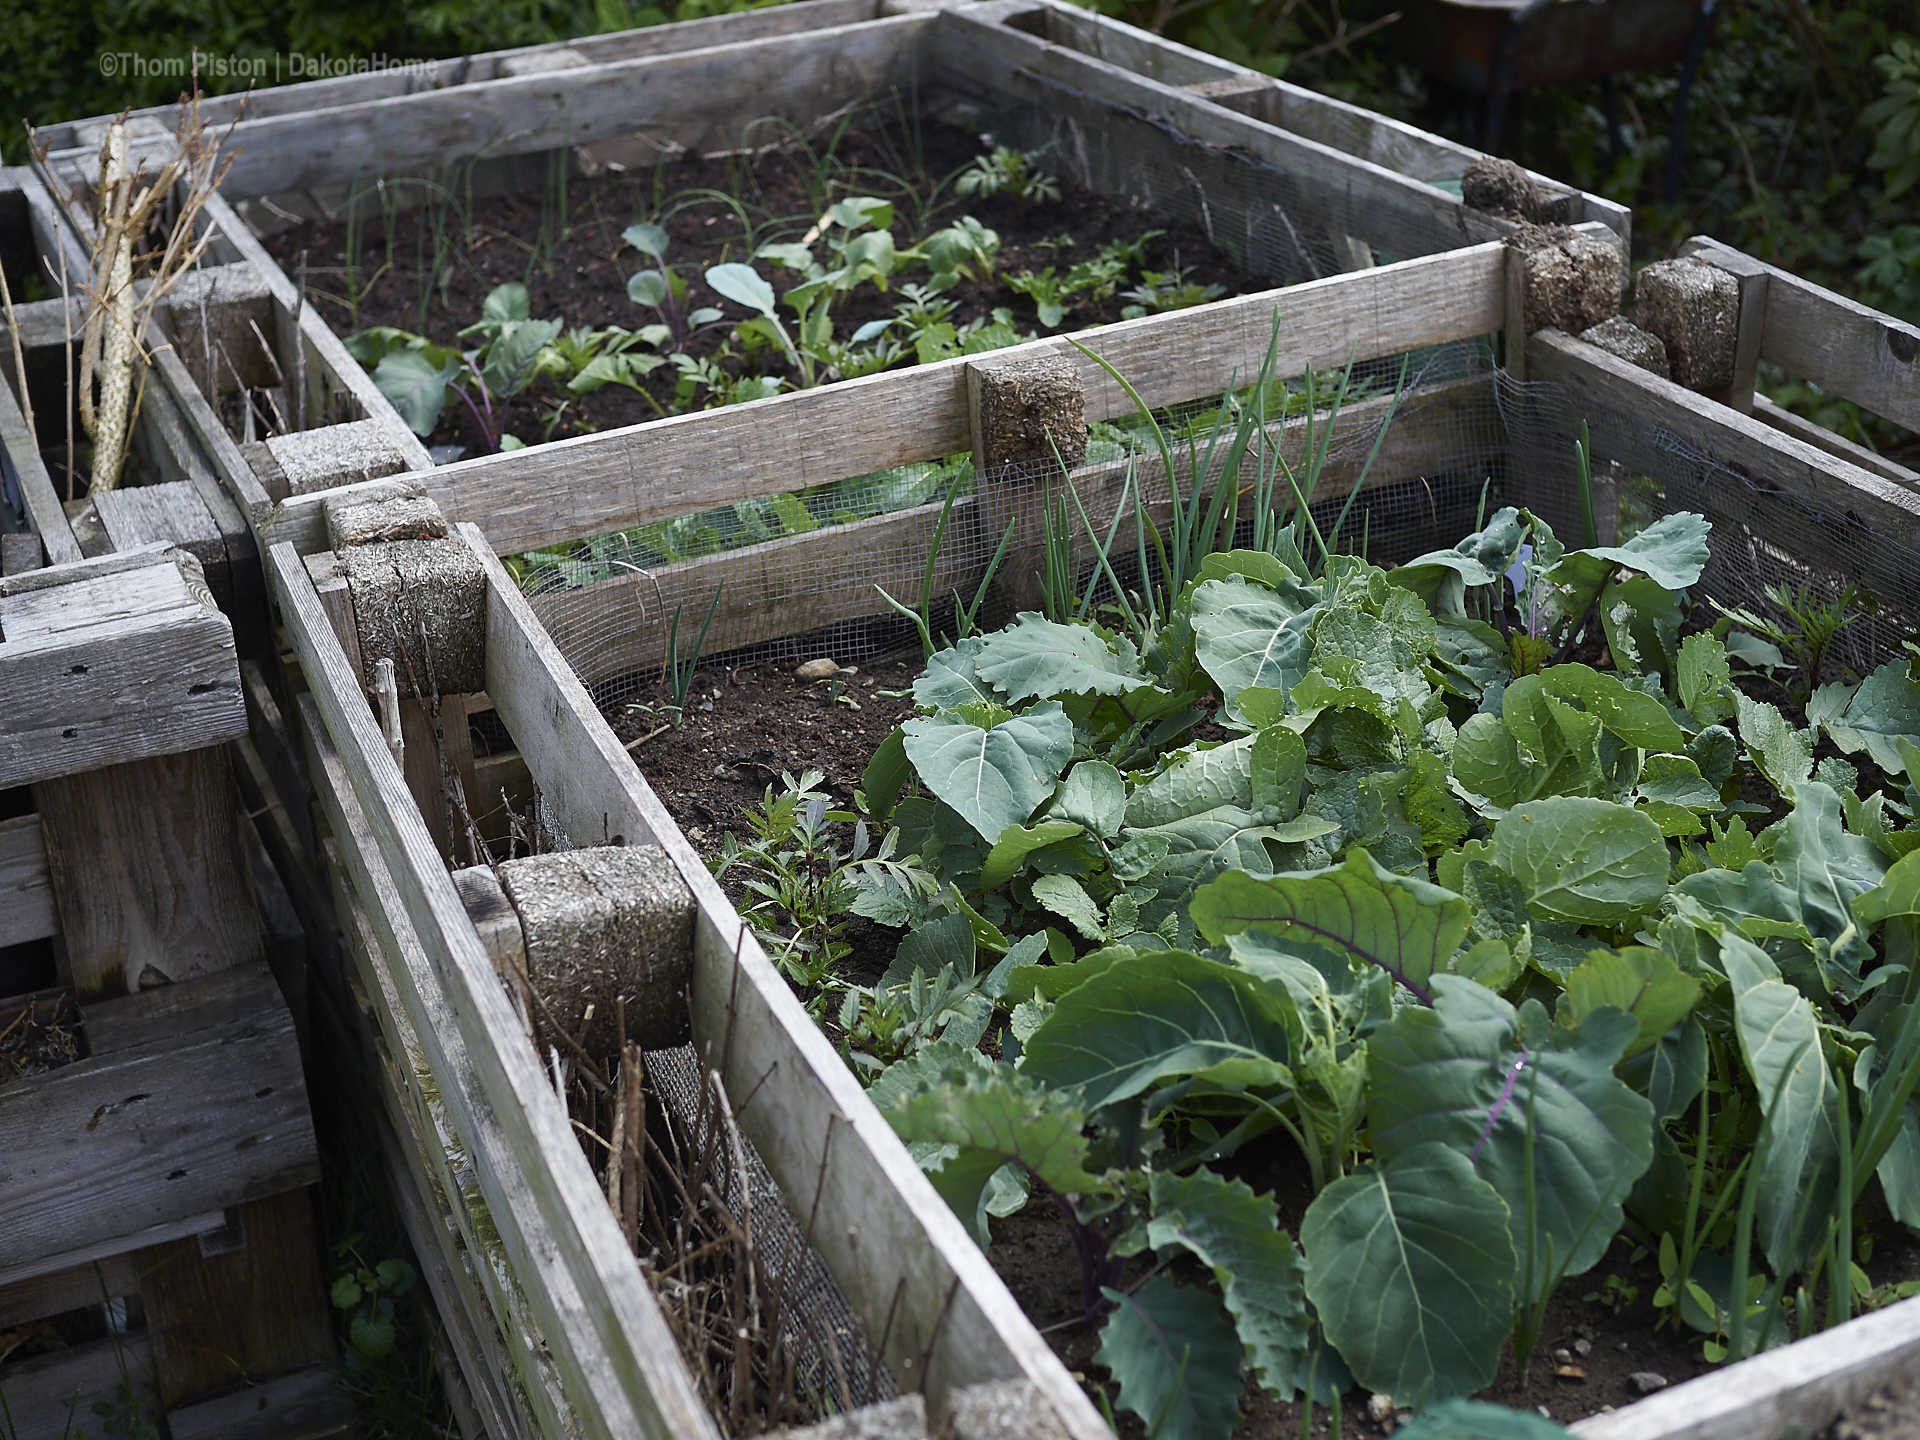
<point>1701,679</point>
<point>1411,1271</point>
<point>1589,862</point>
<point>1633,715</point>
<point>992,777</point>
<point>1408,927</point>
<point>1156,1015</point>
<point>1781,752</point>
<point>1175,1355</point>
<point>1194,781</point>
<point>1236,1234</point>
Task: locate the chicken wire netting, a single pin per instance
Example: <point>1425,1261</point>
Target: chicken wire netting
<point>799,575</point>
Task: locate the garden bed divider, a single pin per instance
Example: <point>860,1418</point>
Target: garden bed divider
<point>904,1261</point>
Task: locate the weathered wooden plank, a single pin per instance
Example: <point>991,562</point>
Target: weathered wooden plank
<point>300,1405</point>
<point>879,1224</point>
<point>1838,344</point>
<point>1821,438</point>
<point>110,668</point>
<point>27,911</point>
<point>1874,524</point>
<point>153,1017</point>
<point>650,1391</point>
<point>694,97</point>
<point>48,1393</point>
<point>173,512</point>
<point>36,487</point>
<point>218,111</point>
<point>118,1143</point>
<point>427,1087</point>
<point>147,872</point>
<point>246,1313</point>
<point>87,1283</point>
<point>501,1354</point>
<point>70,1275</point>
<point>692,462</point>
<point>1798,1389</point>
<point>1351,196</point>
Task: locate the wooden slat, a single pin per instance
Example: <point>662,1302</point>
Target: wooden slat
<point>218,111</point>
<point>805,582</point>
<point>50,1393</point>
<point>1353,196</point>
<point>879,1224</point>
<point>147,872</point>
<point>650,1391</point>
<point>36,488</point>
<point>425,1091</point>
<point>110,668</point>
<point>118,1143</point>
<point>1821,438</point>
<point>27,910</point>
<point>70,1275</point>
<point>1799,1389</point>
<point>1838,344</point>
<point>54,1294</point>
<point>594,484</point>
<point>245,1313</point>
<point>340,386</point>
<point>1876,522</point>
<point>690,96</point>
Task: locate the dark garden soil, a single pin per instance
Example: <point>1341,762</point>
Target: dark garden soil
<point>579,272</point>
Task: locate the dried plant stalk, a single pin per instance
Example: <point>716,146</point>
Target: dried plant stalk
<point>118,213</point>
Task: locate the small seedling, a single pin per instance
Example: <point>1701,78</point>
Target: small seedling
<point>1017,172</point>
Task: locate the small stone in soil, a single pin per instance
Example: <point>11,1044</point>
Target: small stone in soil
<point>1583,1348</point>
<point>821,669</point>
<point>1648,1381</point>
<point>1379,1408</point>
<point>1569,1372</point>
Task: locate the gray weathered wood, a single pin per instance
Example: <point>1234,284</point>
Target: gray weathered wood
<point>693,97</point>
<point>1836,343</point>
<point>686,463</point>
<point>173,512</point>
<point>879,1224</point>
<point>640,1384</point>
<point>1353,196</point>
<point>1821,438</point>
<point>218,111</point>
<point>57,1293</point>
<point>36,488</point>
<point>26,895</point>
<point>428,1085</point>
<point>295,1406</point>
<point>148,873</point>
<point>48,1393</point>
<point>111,668</point>
<point>1798,1389</point>
<point>1874,523</point>
<point>78,1264</point>
<point>120,1142</point>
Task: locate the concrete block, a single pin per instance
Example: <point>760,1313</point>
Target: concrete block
<point>404,587</point>
<point>1025,410</point>
<point>353,519</point>
<point>213,314</point>
<point>1573,281</point>
<point>1001,1410</point>
<point>608,924</point>
<point>1695,309</point>
<point>335,455</point>
<point>1620,336</point>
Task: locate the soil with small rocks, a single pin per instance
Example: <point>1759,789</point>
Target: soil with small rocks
<point>1892,1413</point>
